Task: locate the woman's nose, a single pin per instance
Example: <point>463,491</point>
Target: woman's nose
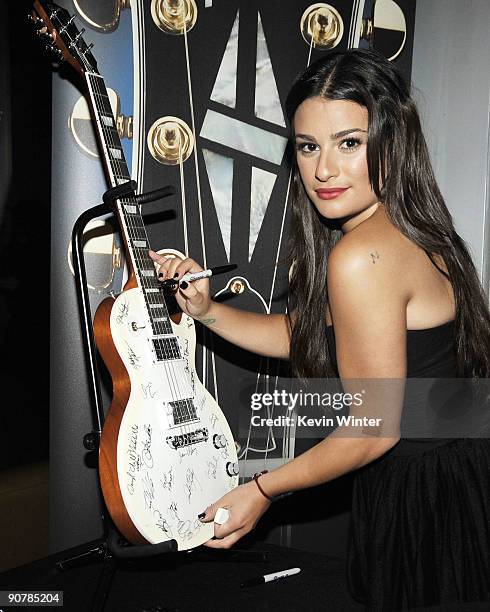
<point>326,167</point>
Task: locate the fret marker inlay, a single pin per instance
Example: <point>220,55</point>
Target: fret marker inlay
<point>109,121</point>
<point>116,153</point>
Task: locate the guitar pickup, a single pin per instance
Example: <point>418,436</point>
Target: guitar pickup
<point>187,439</point>
<point>167,348</point>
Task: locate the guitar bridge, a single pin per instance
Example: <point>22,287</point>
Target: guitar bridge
<point>187,439</point>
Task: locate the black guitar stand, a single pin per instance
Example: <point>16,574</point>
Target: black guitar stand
<point>125,190</point>
<point>112,546</point>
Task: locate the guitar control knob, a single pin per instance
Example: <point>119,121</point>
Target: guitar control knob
<point>232,469</point>
<point>219,441</point>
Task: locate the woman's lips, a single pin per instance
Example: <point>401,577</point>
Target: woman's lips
<point>329,194</point>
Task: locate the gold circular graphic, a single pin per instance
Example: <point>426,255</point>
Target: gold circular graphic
<point>101,253</point>
<point>386,31</point>
<point>170,141</point>
<point>237,286</point>
<point>321,26</point>
<point>102,15</point>
<point>82,128</point>
<point>171,15</point>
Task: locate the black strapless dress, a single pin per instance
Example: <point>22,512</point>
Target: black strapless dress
<point>420,526</point>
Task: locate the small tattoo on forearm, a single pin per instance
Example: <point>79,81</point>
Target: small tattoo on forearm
<point>374,256</point>
<point>207,321</point>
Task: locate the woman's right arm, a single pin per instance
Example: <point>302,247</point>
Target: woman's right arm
<point>267,335</point>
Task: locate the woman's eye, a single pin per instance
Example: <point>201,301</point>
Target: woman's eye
<point>350,143</point>
<point>306,147</point>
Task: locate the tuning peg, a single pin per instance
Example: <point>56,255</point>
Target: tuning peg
<point>57,53</point>
<point>34,19</point>
<point>44,34</point>
<point>77,37</point>
<point>87,50</point>
<point>67,24</point>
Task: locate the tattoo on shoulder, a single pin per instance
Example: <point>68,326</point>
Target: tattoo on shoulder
<point>207,321</point>
<point>374,256</point>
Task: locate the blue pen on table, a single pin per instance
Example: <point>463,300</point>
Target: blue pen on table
<point>271,577</point>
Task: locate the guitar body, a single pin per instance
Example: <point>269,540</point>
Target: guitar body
<point>161,463</point>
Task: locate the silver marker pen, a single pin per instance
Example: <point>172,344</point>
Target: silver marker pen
<point>271,577</point>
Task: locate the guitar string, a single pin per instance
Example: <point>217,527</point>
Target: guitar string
<point>114,163</point>
<point>269,431</point>
<point>119,170</point>
<point>205,351</point>
<point>144,262</point>
<point>199,196</point>
<point>183,204</point>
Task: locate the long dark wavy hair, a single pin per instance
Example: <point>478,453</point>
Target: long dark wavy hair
<point>402,178</point>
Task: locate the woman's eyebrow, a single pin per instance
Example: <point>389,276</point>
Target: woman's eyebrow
<point>305,137</point>
<point>345,132</point>
<point>332,136</point>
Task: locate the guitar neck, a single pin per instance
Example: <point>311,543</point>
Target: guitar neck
<point>128,212</point>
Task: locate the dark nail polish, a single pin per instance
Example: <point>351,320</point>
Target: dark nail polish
<point>160,275</point>
<point>202,515</point>
<point>184,285</point>
<point>176,275</point>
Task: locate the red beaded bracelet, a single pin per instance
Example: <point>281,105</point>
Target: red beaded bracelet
<point>256,477</point>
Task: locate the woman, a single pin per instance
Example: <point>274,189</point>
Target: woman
<point>377,262</point>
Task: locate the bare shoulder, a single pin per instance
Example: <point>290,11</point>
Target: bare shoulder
<point>374,252</point>
<point>368,300</point>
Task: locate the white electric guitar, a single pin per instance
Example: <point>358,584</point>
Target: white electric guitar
<point>166,450</point>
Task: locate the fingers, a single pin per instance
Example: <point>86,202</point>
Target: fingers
<point>163,263</point>
<point>226,541</point>
<point>208,515</point>
<point>190,292</point>
<point>173,267</point>
<point>227,533</point>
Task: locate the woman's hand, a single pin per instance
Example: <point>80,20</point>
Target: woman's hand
<point>246,505</point>
<point>193,298</point>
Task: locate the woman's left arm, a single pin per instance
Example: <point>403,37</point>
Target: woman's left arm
<point>368,306</point>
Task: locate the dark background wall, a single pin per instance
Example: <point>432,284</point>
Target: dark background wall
<point>25,144</point>
<point>25,202</point>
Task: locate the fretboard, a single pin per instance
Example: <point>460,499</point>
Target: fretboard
<point>131,221</point>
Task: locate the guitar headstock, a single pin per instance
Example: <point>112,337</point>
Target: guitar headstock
<point>56,26</point>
